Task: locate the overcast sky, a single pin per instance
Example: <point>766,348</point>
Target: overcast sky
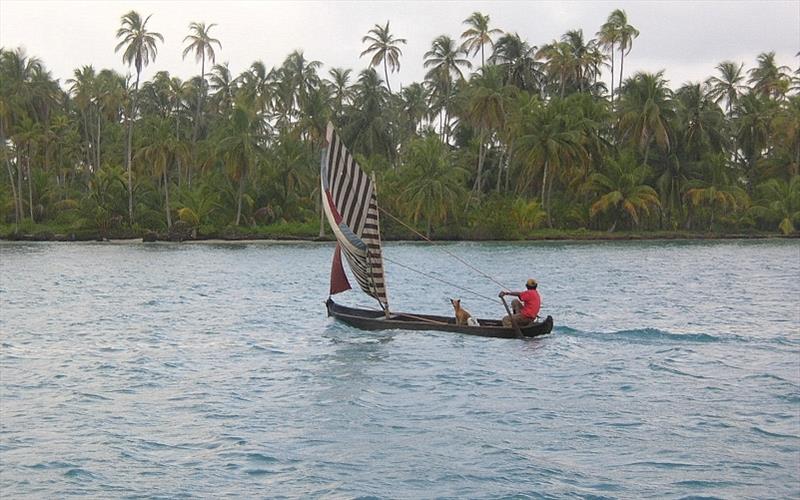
<point>687,39</point>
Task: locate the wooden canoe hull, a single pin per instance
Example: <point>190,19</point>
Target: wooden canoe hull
<point>367,319</point>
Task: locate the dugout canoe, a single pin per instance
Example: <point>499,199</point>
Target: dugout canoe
<point>372,319</point>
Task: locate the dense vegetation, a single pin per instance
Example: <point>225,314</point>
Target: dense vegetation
<point>501,139</point>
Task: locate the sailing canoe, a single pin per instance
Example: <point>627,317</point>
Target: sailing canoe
<point>367,319</point>
<point>351,207</point>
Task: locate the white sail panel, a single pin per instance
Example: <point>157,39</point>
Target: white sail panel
<point>351,208</point>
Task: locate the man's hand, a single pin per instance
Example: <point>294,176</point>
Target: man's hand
<point>501,294</point>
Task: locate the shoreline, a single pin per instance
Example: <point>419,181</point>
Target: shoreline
<point>566,236</point>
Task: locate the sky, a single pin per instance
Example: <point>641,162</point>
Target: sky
<point>687,39</point>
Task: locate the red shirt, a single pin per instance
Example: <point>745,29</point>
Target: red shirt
<point>531,303</point>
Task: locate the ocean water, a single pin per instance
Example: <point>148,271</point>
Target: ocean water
<point>211,370</point>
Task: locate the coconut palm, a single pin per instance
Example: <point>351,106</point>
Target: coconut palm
<point>340,81</point>
<point>646,109</point>
<point>767,78</point>
<point>384,49</point>
<point>627,34</point>
<point>444,63</point>
<point>608,37</point>
<point>368,130</point>
<point>621,188</point>
<point>483,108</point>
<point>586,59</point>
<point>549,139</point>
<point>414,105</point>
<point>729,85</point>
<point>241,148</point>
<point>202,45</point>
<point>779,201</point>
<point>163,150</point>
<point>478,35</point>
<point>301,75</point>
<point>82,89</point>
<point>517,60</point>
<point>433,185</point>
<point>752,118</point>
<point>223,86</point>
<point>717,190</point>
<point>140,49</point>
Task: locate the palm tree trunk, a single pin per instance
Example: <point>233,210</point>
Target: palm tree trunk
<point>88,140</point>
<point>166,198</point>
<point>98,141</point>
<point>386,74</point>
<point>129,147</point>
<point>239,200</point>
<point>19,185</point>
<point>500,170</point>
<point>13,191</point>
<point>544,192</point>
<point>196,125</point>
<point>621,65</point>
<point>30,186</point>
<point>612,75</point>
<point>478,187</point>
<point>321,220</point>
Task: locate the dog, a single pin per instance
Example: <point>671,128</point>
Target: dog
<point>463,317</point>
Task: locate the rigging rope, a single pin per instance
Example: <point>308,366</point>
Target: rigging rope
<point>444,250</point>
<point>490,299</point>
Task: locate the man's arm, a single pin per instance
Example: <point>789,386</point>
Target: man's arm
<point>503,294</point>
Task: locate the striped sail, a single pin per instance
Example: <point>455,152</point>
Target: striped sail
<point>352,210</point>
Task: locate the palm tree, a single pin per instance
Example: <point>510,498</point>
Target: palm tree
<point>752,118</point>
<point>484,101</point>
<point>414,107</point>
<point>516,57</point>
<point>223,85</point>
<point>140,49</point>
<point>608,37</point>
<point>340,80</point>
<point>729,85</point>
<point>559,64</point>
<point>445,65</point>
<point>384,49</point>
<point>627,34</point>
<point>622,188</point>
<point>717,190</point>
<point>586,58</point>
<point>767,77</point>
<point>301,75</point>
<point>550,139</point>
<point>82,88</point>
<point>241,149</point>
<point>780,200</point>
<point>433,185</point>
<point>645,108</point>
<point>201,43</point>
<point>368,130</point>
<point>162,150</point>
<point>478,35</point>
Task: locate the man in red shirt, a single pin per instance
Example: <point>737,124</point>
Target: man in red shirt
<point>528,309</point>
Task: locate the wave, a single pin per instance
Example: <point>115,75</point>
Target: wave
<point>657,335</point>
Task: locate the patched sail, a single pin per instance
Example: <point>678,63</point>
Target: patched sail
<point>351,208</point>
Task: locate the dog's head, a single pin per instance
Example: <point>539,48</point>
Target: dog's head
<point>456,303</point>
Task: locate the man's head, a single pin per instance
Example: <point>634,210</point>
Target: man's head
<point>531,284</point>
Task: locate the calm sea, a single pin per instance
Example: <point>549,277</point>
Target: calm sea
<point>211,370</point>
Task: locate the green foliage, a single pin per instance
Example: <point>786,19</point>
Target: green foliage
<point>523,139</point>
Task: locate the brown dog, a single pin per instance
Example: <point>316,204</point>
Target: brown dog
<point>462,315</point>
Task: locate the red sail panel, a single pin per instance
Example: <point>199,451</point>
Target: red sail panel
<point>339,282</point>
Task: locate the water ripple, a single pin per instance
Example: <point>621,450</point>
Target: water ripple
<point>181,371</point>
